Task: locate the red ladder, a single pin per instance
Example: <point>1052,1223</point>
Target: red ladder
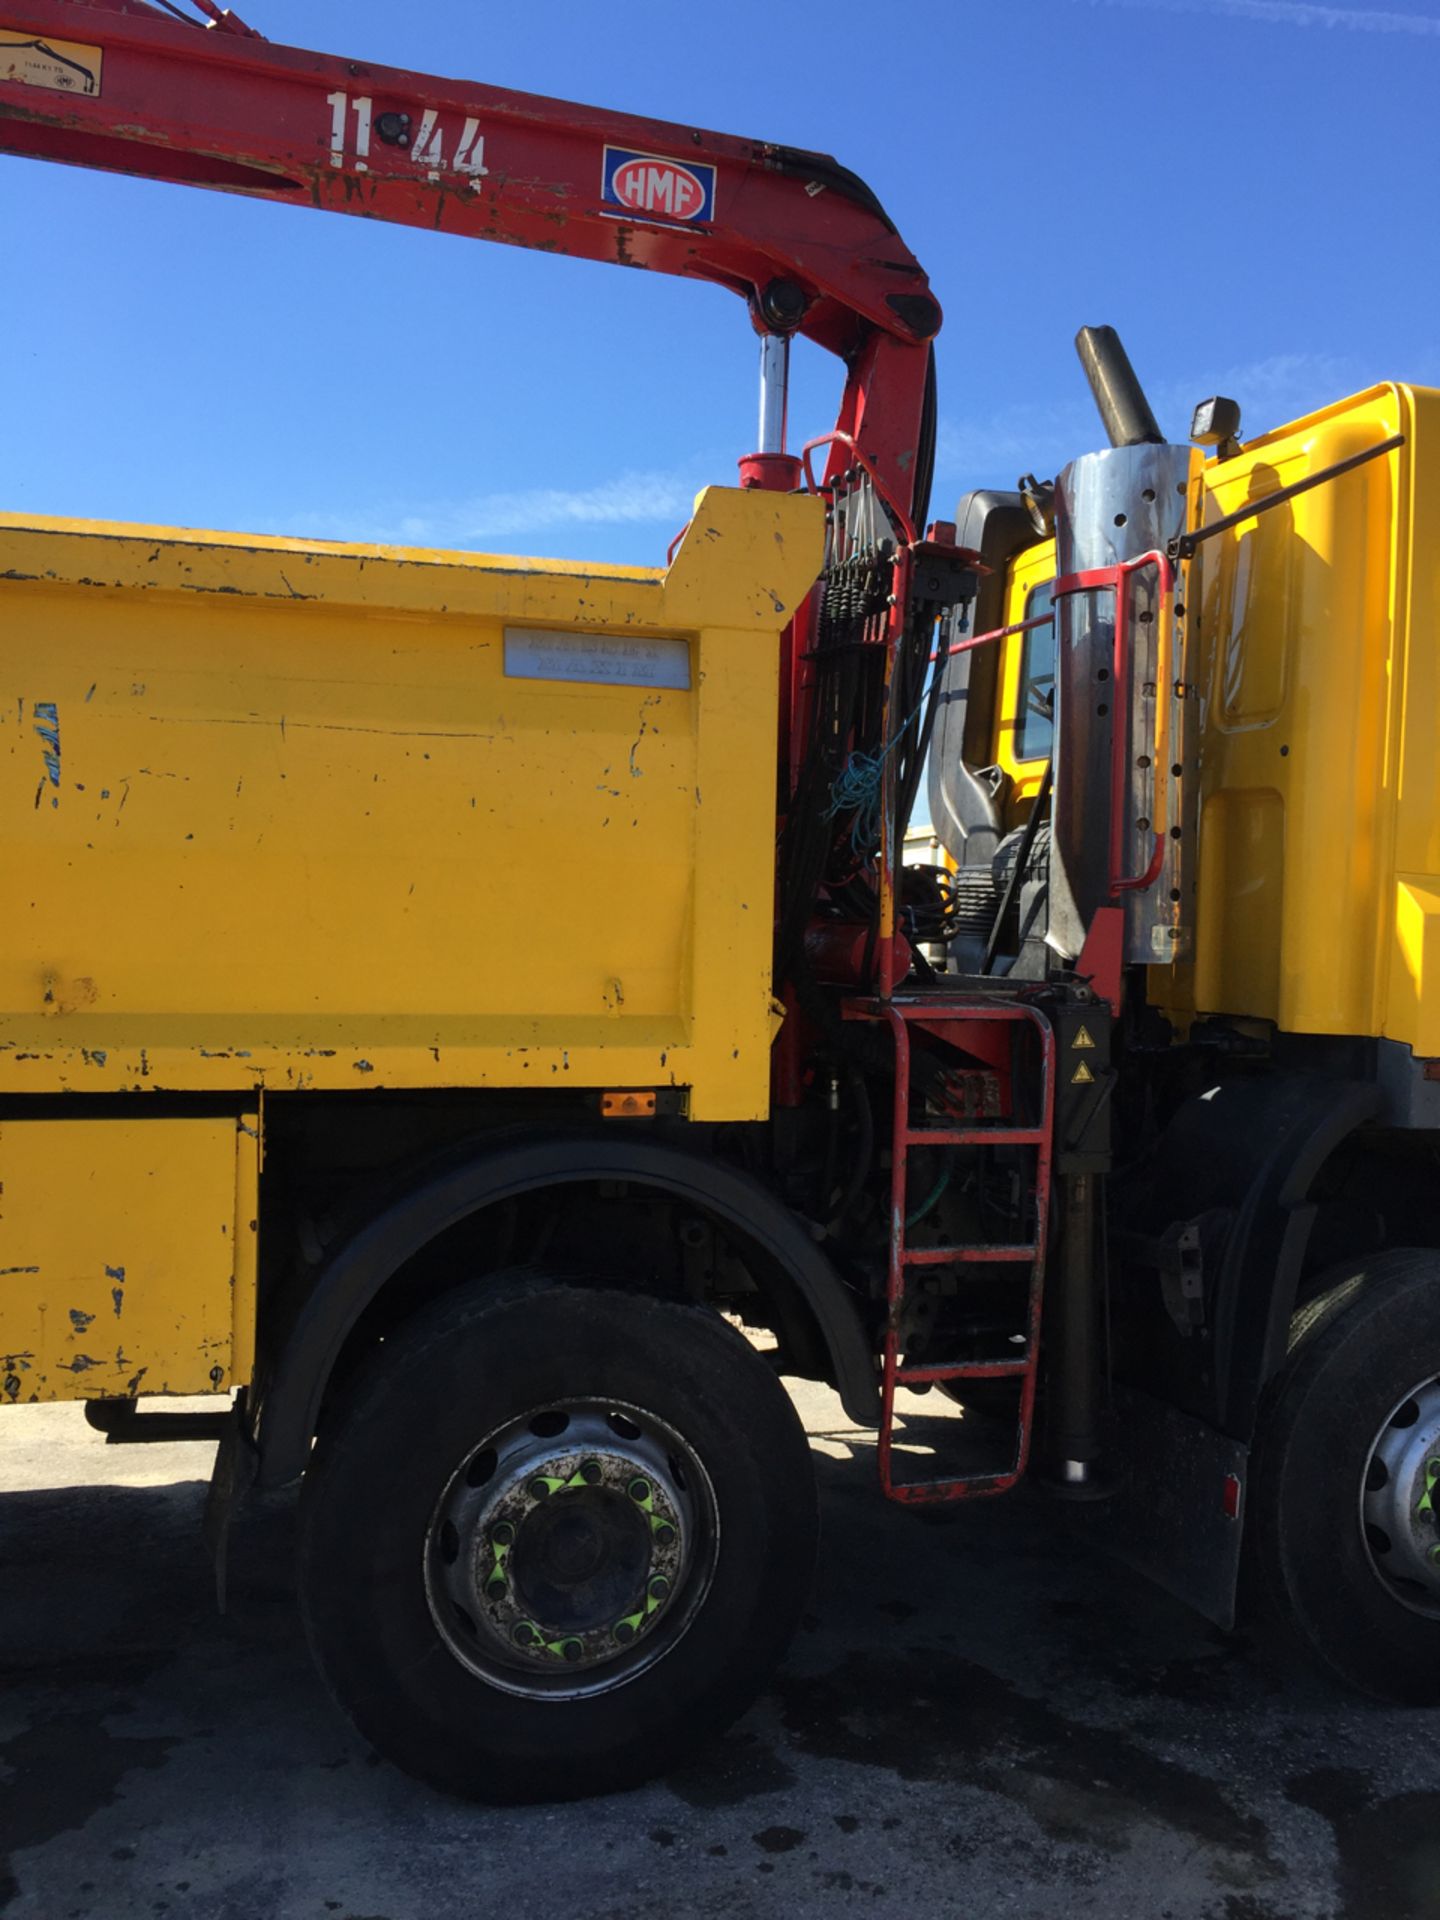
<point>933,1010</point>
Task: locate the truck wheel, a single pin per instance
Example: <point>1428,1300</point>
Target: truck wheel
<point>1347,1481</point>
<point>553,1536</point>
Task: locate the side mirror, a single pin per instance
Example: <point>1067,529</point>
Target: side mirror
<point>1039,499</point>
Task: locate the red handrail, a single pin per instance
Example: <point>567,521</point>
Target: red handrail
<point>1116,579</point>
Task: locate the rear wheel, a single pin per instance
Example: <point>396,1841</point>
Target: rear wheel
<point>553,1536</point>
<point>1346,1515</point>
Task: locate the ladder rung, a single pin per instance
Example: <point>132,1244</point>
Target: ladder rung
<point>974,1137</point>
<point>946,1256</point>
<point>919,1493</point>
<point>966,1370</point>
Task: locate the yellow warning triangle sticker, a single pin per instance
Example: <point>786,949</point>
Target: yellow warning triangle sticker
<point>1082,1076</point>
<point>1082,1039</point>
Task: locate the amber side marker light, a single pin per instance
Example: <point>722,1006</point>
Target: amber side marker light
<point>626,1106</point>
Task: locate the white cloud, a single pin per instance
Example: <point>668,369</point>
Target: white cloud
<point>1295,13</point>
<point>990,449</point>
<point>629,499</point>
<point>1270,390</point>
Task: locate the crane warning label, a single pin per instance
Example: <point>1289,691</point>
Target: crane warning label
<point>61,66</point>
<point>618,660</point>
<point>652,183</point>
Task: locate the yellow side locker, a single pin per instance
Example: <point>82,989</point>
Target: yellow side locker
<point>127,1256</point>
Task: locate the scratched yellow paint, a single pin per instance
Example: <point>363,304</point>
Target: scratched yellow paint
<point>127,1256</point>
<point>273,814</point>
<point>1313,647</point>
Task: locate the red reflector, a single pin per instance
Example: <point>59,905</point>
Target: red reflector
<point>1432,1070</point>
<point>1233,1491</point>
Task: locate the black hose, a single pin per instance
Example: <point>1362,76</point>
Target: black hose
<point>925,448</point>
<point>864,1153</point>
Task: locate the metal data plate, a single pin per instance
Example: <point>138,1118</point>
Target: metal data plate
<point>604,659</point>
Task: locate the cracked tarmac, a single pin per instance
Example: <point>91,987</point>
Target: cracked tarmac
<point>977,1718</point>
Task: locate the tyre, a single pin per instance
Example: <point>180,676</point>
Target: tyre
<point>1343,1521</point>
<point>553,1536</point>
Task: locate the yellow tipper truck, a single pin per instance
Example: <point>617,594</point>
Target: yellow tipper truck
<point>448,1002</point>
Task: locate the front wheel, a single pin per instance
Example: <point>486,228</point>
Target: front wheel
<point>1346,1515</point>
<point>553,1536</point>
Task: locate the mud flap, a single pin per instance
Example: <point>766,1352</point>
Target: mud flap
<point>231,1478</point>
<point>1177,1515</point>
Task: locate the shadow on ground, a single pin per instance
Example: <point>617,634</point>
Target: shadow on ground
<point>977,1717</point>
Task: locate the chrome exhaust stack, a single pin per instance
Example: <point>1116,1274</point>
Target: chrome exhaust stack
<point>1124,793</point>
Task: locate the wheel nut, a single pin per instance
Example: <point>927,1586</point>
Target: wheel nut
<point>664,1534</point>
<point>540,1488</point>
<point>522,1633</point>
<point>496,1586</point>
<point>592,1473</point>
<point>659,1587</point>
<point>625,1632</point>
<point>504,1534</point>
<point>572,1650</point>
<point>1434,1555</point>
<point>639,1490</point>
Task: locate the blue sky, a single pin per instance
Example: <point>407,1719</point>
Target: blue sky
<point>1246,188</point>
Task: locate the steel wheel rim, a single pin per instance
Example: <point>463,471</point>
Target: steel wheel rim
<point>571,1549</point>
<point>1400,1501</point>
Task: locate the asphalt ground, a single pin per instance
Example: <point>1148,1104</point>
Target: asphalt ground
<point>978,1719</point>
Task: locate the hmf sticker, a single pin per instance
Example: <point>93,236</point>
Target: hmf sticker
<point>651,183</point>
<point>61,66</point>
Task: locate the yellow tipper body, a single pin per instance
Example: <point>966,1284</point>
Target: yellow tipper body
<point>1311,638</point>
<point>283,816</point>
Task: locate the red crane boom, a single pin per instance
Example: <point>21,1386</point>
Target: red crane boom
<point>122,86</point>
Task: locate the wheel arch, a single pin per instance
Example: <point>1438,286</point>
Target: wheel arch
<point>1262,1144</point>
<point>789,1264</point>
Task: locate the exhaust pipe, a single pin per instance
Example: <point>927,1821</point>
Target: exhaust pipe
<point>1118,393</point>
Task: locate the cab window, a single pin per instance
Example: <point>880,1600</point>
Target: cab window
<point>1035,719</point>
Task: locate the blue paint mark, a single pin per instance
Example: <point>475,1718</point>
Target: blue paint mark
<point>363,1066</point>
<point>19,1269</point>
<point>115,1273</point>
<point>78,1320</point>
<point>47,725</point>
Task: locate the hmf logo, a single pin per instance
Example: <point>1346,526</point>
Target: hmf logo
<point>651,183</point>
